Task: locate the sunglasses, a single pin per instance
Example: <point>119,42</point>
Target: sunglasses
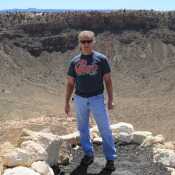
<point>86,41</point>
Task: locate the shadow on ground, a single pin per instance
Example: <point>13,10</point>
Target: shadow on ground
<point>82,170</point>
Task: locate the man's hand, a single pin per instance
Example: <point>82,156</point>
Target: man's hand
<point>69,90</point>
<point>108,82</point>
<point>67,110</point>
<point>110,105</point>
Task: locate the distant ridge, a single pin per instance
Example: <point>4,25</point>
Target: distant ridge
<point>49,10</point>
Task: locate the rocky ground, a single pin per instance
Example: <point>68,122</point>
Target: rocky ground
<point>138,153</point>
<point>131,160</point>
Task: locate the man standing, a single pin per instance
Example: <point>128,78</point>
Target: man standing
<point>86,73</point>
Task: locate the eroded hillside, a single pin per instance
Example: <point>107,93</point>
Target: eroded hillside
<point>35,49</point>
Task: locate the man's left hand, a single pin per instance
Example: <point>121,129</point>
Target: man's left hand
<point>110,105</point>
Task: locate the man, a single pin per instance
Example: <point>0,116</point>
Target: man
<point>86,74</point>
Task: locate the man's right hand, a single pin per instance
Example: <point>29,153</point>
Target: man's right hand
<point>69,90</point>
<point>67,109</point>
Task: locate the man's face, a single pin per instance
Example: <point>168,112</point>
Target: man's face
<point>86,45</point>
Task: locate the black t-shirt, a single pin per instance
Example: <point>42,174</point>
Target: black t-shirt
<point>88,71</point>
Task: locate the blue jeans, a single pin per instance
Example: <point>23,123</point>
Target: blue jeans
<point>95,105</point>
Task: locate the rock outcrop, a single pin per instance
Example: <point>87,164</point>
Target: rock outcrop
<point>58,31</point>
<point>20,170</point>
<point>34,146</point>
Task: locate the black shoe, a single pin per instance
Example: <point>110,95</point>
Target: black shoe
<point>87,160</point>
<point>109,165</point>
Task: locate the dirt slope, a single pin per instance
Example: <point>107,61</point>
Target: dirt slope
<point>33,67</point>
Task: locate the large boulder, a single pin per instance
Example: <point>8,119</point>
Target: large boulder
<point>50,142</point>
<point>123,132</point>
<point>42,168</point>
<point>36,151</point>
<point>17,157</point>
<point>122,127</point>
<point>20,171</point>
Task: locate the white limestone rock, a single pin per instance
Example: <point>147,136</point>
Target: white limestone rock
<point>164,156</point>
<point>94,129</point>
<point>125,137</point>
<point>159,139</point>
<point>20,171</point>
<point>171,170</point>
<point>50,142</point>
<point>42,138</point>
<point>122,127</point>
<point>42,168</point>
<point>140,136</point>
<point>94,135</point>
<point>97,140</point>
<point>36,151</point>
<point>73,138</point>
<point>150,140</point>
<point>27,135</point>
<point>17,157</point>
<point>29,152</point>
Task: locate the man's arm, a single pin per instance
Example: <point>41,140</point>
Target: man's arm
<point>69,90</point>
<point>109,88</point>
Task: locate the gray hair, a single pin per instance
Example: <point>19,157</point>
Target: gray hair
<point>86,34</point>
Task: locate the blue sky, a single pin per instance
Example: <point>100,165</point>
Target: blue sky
<point>162,5</point>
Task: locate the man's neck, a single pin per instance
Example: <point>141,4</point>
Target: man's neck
<point>87,53</point>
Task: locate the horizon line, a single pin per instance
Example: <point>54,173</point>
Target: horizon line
<point>82,9</point>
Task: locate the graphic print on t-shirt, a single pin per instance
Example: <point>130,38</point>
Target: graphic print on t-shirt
<point>82,68</point>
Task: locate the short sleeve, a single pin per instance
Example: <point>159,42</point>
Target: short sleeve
<point>105,66</point>
<point>71,70</point>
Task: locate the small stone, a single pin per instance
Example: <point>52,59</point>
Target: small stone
<point>140,136</point>
<point>65,159</point>
<point>169,145</point>
<point>97,140</point>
